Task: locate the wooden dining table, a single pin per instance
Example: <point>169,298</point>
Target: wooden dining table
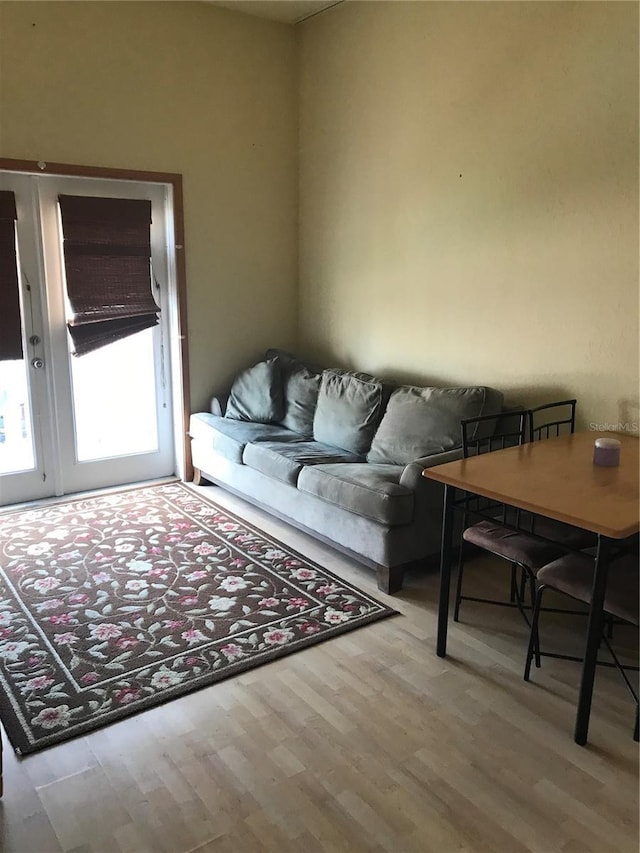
<point>555,478</point>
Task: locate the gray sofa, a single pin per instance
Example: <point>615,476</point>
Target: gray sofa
<point>339,455</point>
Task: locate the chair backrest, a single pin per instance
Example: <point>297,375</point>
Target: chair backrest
<point>479,435</point>
<point>552,419</point>
<point>483,435</point>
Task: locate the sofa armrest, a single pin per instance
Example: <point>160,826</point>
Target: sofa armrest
<point>412,474</point>
<point>218,404</point>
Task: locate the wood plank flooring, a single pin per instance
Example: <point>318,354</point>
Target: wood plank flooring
<point>368,742</point>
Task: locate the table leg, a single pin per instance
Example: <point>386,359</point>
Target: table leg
<point>594,633</point>
<point>445,570</point>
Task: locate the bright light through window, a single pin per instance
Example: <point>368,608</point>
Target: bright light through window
<point>16,440</point>
<point>114,399</point>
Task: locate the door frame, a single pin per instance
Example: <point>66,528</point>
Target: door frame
<point>179,345</point>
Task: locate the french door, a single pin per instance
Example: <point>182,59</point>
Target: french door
<point>71,423</point>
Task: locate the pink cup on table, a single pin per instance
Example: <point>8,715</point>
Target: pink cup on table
<point>606,452</point>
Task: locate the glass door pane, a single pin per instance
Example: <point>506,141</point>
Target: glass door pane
<point>71,423</point>
<point>113,405</point>
<point>16,433</point>
<point>25,442</point>
<point>114,399</point>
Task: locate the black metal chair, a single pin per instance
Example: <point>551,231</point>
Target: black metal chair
<point>504,533</point>
<point>549,421</point>
<point>552,419</point>
<point>572,575</point>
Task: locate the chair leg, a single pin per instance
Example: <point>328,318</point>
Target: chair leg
<point>523,583</point>
<point>520,596</point>
<point>533,584</point>
<point>513,594</point>
<point>456,611</point>
<point>534,638</point>
<point>635,730</point>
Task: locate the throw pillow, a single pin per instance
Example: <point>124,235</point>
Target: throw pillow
<point>256,394</point>
<point>348,411</point>
<point>423,421</point>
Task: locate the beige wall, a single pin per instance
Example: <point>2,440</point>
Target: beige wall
<point>469,196</point>
<point>176,87</point>
<point>468,179</point>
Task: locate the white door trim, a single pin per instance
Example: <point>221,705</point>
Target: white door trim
<point>175,343</point>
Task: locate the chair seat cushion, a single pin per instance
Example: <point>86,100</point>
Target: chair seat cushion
<point>513,545</point>
<point>572,574</point>
<point>373,491</point>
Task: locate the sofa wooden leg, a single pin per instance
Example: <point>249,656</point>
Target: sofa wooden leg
<point>198,479</point>
<point>389,578</point>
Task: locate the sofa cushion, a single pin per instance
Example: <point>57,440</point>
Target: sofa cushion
<point>300,392</point>
<point>388,386</point>
<point>373,491</point>
<point>229,437</point>
<point>423,421</point>
<point>348,411</point>
<point>300,386</point>
<point>284,461</point>
<point>256,394</point>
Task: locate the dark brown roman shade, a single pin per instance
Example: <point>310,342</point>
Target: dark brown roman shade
<point>10,319</point>
<point>107,257</point>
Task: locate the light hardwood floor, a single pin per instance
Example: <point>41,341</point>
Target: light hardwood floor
<point>368,742</point>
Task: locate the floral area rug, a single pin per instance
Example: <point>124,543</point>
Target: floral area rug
<point>115,603</point>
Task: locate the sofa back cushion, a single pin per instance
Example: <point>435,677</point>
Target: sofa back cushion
<point>422,421</point>
<point>348,410</point>
<point>256,394</point>
<point>300,392</point>
<point>300,386</point>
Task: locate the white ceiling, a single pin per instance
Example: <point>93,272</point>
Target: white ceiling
<point>285,11</point>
